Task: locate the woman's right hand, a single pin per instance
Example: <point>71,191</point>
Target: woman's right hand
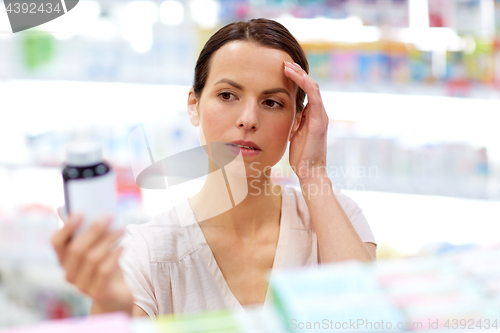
<point>91,264</point>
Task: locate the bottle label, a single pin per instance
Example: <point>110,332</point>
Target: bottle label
<point>93,197</point>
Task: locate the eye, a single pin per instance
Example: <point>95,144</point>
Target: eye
<point>271,103</point>
<point>226,96</point>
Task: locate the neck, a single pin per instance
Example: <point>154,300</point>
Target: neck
<point>244,208</point>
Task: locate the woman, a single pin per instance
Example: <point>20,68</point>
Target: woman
<point>249,87</point>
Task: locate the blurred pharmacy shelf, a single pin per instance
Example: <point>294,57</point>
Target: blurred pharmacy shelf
<point>442,47</point>
<point>80,104</point>
<point>32,291</point>
<point>450,47</point>
<point>454,291</point>
<point>403,224</point>
<point>423,224</point>
<point>431,145</point>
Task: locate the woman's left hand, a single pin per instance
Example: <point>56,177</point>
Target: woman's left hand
<point>308,143</point>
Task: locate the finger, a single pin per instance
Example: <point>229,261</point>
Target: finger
<point>296,67</point>
<point>61,238</point>
<point>81,245</point>
<point>94,258</point>
<point>104,274</point>
<point>305,82</point>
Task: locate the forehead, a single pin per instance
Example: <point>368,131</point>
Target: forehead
<point>251,63</point>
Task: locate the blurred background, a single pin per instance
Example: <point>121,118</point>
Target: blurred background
<point>412,89</point>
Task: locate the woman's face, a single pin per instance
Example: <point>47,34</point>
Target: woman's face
<point>248,97</point>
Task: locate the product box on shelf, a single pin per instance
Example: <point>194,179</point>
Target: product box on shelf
<point>434,293</point>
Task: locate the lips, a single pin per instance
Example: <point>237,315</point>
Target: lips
<point>246,144</point>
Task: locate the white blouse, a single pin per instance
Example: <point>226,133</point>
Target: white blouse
<point>170,268</point>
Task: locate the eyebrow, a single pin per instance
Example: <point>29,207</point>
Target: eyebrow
<point>265,92</point>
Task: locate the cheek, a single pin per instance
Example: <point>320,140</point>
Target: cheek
<point>284,128</point>
<point>213,121</point>
<point>281,132</point>
<point>278,133</point>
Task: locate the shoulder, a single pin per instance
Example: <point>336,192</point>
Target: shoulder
<point>165,238</point>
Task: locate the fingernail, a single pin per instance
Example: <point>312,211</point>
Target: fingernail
<point>104,222</point>
<point>77,219</point>
<point>107,221</point>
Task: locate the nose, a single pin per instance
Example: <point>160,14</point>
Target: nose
<point>248,118</point>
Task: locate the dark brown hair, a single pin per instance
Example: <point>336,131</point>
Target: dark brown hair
<point>262,31</point>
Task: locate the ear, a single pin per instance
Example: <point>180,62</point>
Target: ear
<point>192,106</point>
<point>296,123</point>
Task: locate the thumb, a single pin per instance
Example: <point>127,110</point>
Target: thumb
<point>61,211</point>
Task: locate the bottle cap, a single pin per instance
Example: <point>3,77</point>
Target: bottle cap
<point>82,153</point>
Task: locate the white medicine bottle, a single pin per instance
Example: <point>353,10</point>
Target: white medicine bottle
<point>89,183</point>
